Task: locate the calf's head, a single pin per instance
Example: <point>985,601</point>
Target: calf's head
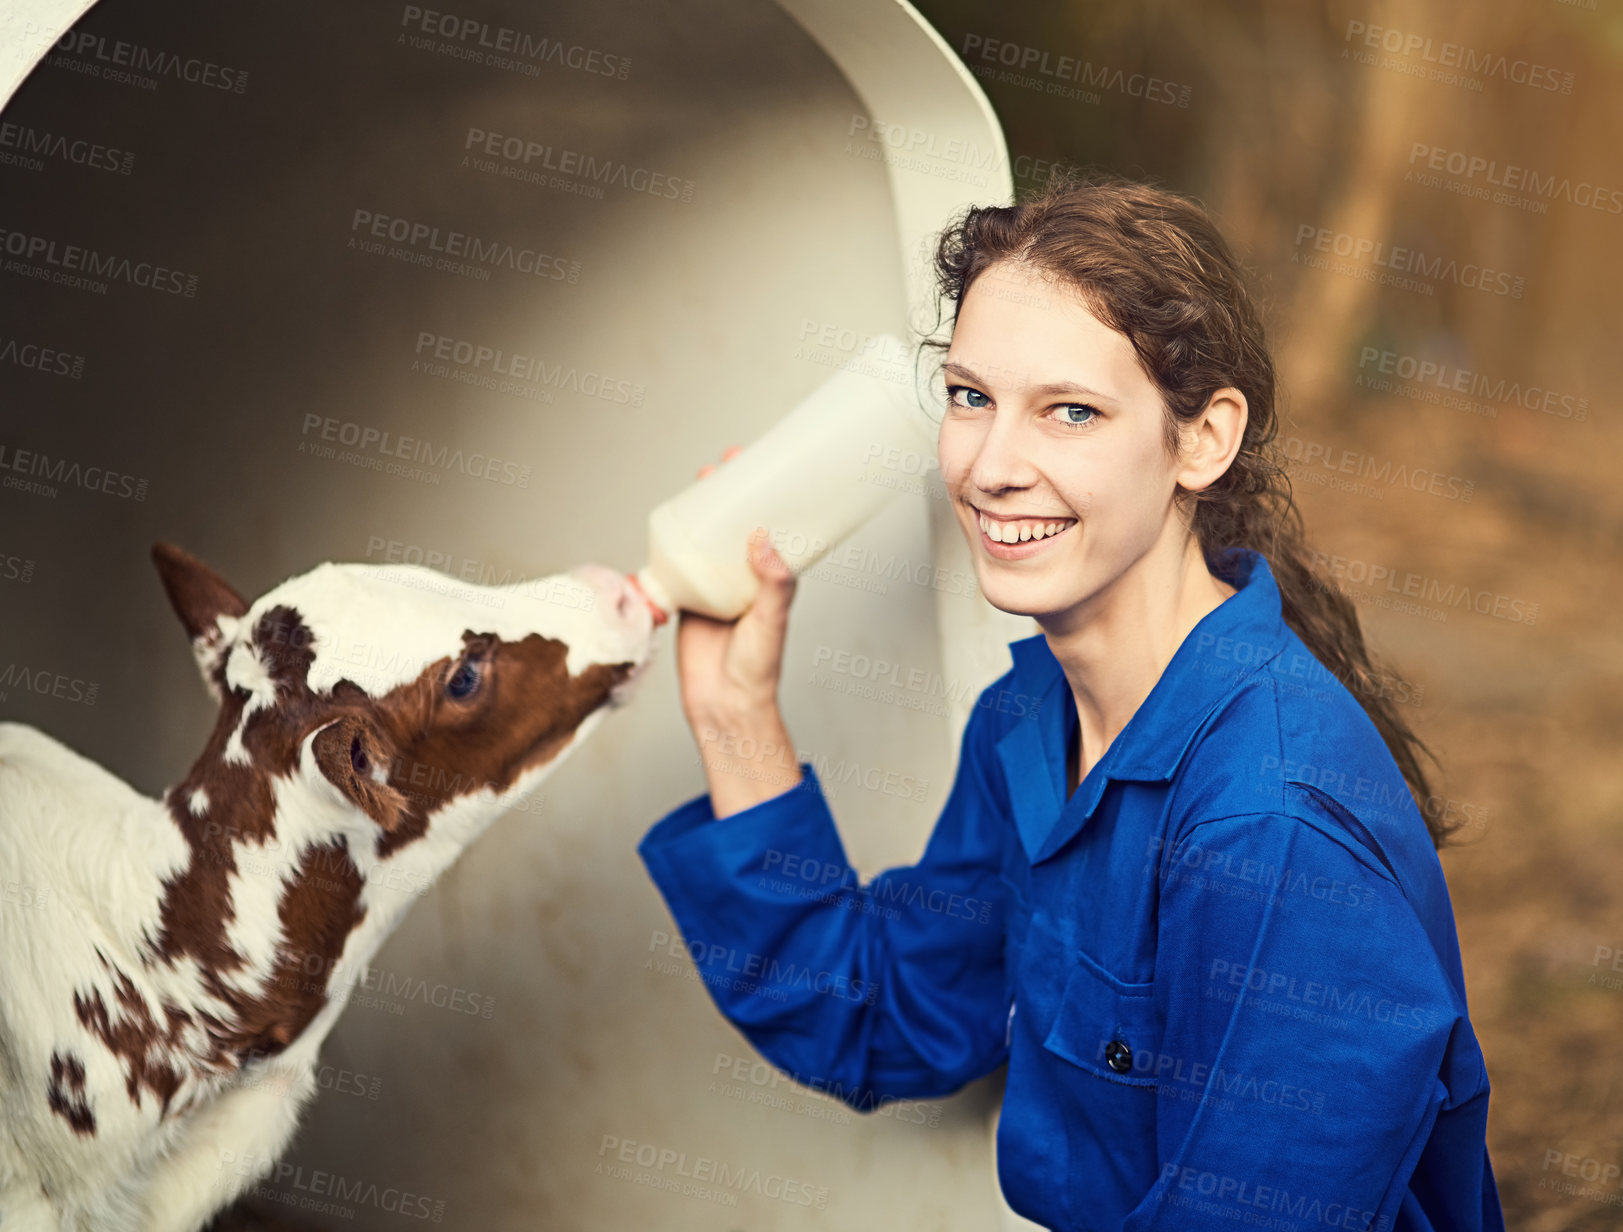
<point>373,720</point>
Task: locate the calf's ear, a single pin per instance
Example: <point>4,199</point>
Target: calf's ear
<point>354,757</point>
<point>200,598</point>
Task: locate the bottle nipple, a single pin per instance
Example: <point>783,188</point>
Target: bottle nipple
<point>653,594</point>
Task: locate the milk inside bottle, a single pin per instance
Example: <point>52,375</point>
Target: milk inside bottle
<point>813,478</point>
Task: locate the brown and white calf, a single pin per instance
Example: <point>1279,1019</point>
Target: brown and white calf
<point>160,1015</point>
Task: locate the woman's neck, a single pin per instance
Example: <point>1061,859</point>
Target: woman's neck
<point>1114,652</point>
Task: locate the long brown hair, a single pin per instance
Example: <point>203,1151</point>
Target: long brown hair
<point>1153,266</point>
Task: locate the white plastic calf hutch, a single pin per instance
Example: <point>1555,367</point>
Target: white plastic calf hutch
<point>765,182</point>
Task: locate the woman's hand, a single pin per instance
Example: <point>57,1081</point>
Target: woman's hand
<point>728,672</point>
<point>729,669</point>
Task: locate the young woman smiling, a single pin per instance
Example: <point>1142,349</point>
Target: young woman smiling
<point>1181,886</point>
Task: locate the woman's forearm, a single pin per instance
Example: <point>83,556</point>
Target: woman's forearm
<point>747,758</point>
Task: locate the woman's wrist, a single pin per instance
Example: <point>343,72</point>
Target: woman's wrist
<point>748,756</point>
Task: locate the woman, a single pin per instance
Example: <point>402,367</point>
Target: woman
<point>1180,885</point>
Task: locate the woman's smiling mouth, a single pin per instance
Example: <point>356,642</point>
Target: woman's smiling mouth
<point>1010,537</point>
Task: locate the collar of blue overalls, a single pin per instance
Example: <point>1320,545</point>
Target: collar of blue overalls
<point>1231,641</point>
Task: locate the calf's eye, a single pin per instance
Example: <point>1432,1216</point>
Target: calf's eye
<point>464,681</point>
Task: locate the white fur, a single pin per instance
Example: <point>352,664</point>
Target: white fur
<point>102,852</point>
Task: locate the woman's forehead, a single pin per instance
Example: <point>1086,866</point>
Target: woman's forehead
<point>1040,346</point>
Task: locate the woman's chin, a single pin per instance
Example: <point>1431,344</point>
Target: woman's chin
<point>1014,597</point>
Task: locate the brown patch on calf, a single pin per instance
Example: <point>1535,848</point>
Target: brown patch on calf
<point>525,712</point>
<point>319,907</point>
<point>318,910</point>
<point>197,907</point>
<point>65,1092</point>
<point>135,1037</point>
<point>287,648</point>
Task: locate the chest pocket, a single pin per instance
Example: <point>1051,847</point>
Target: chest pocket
<point>1109,1028</point>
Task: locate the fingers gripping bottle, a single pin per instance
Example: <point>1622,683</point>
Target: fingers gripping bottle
<point>815,477</point>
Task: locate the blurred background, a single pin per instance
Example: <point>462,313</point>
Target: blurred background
<point>1430,195</point>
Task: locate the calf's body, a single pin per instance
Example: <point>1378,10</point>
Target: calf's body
<point>169,967</point>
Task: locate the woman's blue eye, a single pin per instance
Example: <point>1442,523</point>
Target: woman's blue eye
<point>463,681</point>
<point>1066,407</point>
<point>953,391</point>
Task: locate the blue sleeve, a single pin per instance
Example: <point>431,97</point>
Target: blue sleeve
<point>1307,1020</point>
<point>893,989</point>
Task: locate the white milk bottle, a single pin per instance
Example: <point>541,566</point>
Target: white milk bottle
<point>812,479</point>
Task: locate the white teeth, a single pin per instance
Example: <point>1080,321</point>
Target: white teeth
<point>1020,532</point>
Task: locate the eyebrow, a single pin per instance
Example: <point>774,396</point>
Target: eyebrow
<point>1051,389</point>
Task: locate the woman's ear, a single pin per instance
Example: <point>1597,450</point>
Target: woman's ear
<point>354,757</point>
<point>1212,439</point>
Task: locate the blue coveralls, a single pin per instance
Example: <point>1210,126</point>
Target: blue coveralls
<point>1223,974</point>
